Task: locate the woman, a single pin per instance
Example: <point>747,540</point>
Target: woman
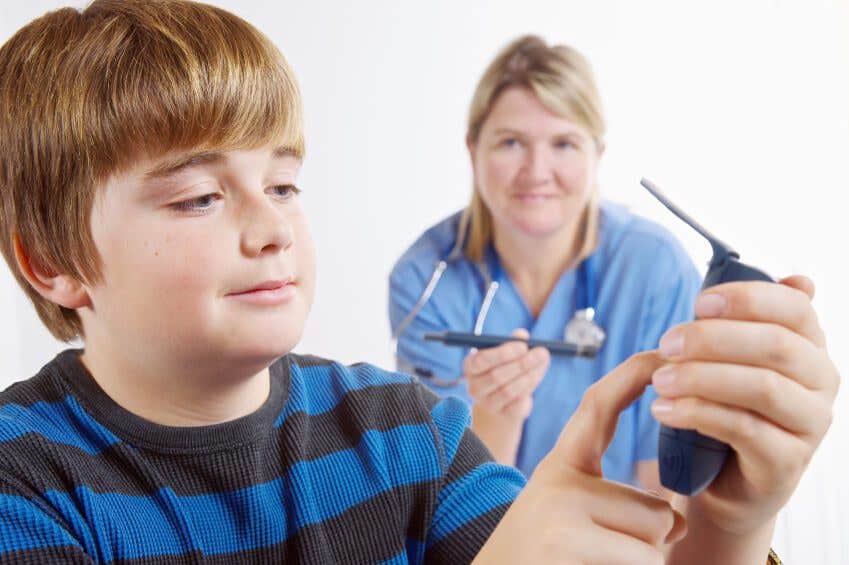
<point>538,252</point>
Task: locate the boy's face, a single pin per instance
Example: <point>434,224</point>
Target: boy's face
<point>206,257</point>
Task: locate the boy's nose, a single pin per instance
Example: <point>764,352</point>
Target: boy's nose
<point>266,229</point>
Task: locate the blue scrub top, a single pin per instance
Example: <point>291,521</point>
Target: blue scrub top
<point>646,283</point>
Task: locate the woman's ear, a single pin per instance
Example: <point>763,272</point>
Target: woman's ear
<point>471,145</point>
<point>601,147</point>
<point>60,289</point>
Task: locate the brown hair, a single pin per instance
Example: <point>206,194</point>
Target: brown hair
<point>561,78</point>
<point>85,93</point>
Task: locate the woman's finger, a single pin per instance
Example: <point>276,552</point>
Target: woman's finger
<point>480,361</point>
<point>523,386</point>
<point>483,360</point>
<point>485,384</point>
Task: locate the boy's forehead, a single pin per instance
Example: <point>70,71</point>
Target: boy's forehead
<point>175,162</point>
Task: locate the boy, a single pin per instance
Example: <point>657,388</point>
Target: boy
<point>148,161</point>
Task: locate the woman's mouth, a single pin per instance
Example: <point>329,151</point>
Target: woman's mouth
<point>533,197</point>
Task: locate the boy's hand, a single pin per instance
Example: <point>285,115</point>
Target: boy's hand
<point>567,513</point>
<point>753,372</point>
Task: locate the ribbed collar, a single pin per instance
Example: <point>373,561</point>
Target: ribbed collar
<point>137,431</point>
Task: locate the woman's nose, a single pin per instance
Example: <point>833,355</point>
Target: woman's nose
<point>536,168</point>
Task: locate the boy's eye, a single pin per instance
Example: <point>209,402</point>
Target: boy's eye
<point>285,191</point>
<point>199,204</point>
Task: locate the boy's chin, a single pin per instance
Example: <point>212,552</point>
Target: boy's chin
<point>264,350</point>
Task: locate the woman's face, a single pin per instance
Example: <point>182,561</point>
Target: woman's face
<point>534,169</point>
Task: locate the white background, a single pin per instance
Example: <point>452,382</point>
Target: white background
<point>739,110</point>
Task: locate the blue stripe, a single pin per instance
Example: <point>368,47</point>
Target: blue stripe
<point>400,559</point>
<point>315,390</point>
<point>26,527</point>
<point>258,516</point>
<point>415,550</point>
<point>62,422</point>
<point>451,416</point>
<point>485,487</point>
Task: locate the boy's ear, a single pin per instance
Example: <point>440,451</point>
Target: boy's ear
<point>63,290</point>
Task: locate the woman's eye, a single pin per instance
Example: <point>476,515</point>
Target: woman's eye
<point>199,204</point>
<point>285,191</point>
<point>510,142</point>
<point>564,144</point>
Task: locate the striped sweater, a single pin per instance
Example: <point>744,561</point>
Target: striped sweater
<point>339,465</point>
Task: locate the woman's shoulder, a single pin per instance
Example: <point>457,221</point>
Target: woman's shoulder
<point>435,243</point>
<point>628,237</point>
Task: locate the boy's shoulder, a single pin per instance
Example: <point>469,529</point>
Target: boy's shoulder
<point>368,392</point>
<point>370,398</point>
<point>35,405</point>
<point>40,413</point>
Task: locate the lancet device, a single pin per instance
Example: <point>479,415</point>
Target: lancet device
<point>688,460</point>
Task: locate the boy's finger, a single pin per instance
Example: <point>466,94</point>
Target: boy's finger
<point>764,450</point>
<point>751,343</point>
<point>590,429</point>
<point>611,547</point>
<point>637,513</point>
<point>800,282</point>
<point>787,304</point>
<point>763,391</point>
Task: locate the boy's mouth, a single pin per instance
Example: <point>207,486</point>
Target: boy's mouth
<point>267,293</point>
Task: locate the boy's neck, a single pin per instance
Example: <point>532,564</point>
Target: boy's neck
<point>177,396</point>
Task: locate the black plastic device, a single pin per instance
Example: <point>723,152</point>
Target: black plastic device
<point>688,460</point>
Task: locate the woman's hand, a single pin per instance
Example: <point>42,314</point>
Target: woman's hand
<point>501,382</point>
<point>753,372</point>
<point>568,513</point>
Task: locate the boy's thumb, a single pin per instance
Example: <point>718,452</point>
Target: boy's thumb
<point>588,433</point>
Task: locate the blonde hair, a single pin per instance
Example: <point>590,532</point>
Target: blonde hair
<point>562,80</point>
<point>83,94</point>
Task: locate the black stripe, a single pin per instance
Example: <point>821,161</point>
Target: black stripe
<point>461,545</point>
<point>309,361</point>
<point>41,388</point>
<point>369,532</point>
<point>122,468</point>
<point>471,452</point>
<point>428,397</point>
<point>65,555</point>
